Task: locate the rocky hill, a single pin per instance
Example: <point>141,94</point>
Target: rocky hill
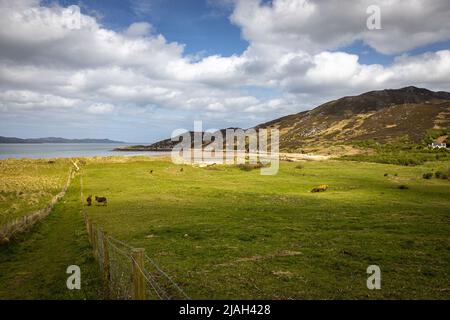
<point>379,115</point>
<point>382,116</point>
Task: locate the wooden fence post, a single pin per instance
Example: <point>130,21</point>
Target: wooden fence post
<point>89,229</point>
<point>94,241</point>
<point>138,276</point>
<point>106,266</point>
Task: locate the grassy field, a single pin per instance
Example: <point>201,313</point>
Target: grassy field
<point>28,185</point>
<point>34,266</point>
<point>222,232</point>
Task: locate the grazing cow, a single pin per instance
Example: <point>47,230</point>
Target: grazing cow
<point>101,200</point>
<point>320,188</point>
<point>89,201</point>
<point>151,171</point>
<point>181,170</point>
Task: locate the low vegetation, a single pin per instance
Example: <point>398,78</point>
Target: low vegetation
<point>427,175</point>
<point>34,265</point>
<point>399,152</point>
<point>433,134</point>
<point>28,185</point>
<point>250,166</point>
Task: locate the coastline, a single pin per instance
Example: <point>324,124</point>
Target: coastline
<point>140,148</point>
<point>67,150</point>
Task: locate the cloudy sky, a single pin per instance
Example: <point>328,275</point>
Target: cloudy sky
<point>136,70</point>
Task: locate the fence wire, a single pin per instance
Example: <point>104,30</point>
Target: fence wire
<point>162,283</point>
<point>121,273</point>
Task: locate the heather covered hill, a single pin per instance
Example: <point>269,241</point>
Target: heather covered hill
<point>382,116</point>
<point>379,115</point>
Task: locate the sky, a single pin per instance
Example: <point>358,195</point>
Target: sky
<point>137,70</point>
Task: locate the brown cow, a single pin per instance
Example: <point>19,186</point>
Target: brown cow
<point>101,200</point>
<point>321,188</point>
<point>89,201</point>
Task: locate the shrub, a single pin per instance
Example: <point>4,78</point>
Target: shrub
<point>438,174</point>
<point>428,175</point>
<point>386,174</point>
<point>299,166</point>
<point>250,167</point>
<point>403,187</point>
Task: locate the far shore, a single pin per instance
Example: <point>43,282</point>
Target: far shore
<point>139,148</point>
<point>290,157</point>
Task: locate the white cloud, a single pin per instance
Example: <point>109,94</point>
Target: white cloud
<point>24,99</point>
<point>339,73</point>
<point>314,26</point>
<point>101,108</point>
<point>142,8</point>
<point>139,29</point>
<point>137,75</point>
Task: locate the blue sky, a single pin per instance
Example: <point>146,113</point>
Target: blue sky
<point>137,70</point>
<point>201,25</point>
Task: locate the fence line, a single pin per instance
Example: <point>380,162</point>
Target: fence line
<point>128,272</point>
<point>24,224</point>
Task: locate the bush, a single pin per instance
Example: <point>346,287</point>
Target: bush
<point>386,174</point>
<point>398,153</point>
<point>299,166</point>
<point>403,187</point>
<point>428,175</point>
<point>250,167</point>
<point>438,174</point>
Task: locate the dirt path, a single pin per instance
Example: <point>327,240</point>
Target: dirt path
<point>35,267</point>
<point>301,156</point>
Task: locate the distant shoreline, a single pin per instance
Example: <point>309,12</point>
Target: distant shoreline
<point>35,143</point>
<point>14,140</point>
<point>141,148</point>
<point>64,150</point>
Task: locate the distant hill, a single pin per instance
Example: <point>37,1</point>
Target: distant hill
<point>163,145</point>
<point>377,115</point>
<point>54,140</point>
<point>382,116</point>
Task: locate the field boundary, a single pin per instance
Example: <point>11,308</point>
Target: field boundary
<point>12,229</point>
<point>128,272</point>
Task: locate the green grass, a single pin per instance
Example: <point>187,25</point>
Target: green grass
<point>35,266</point>
<point>28,185</point>
<point>222,232</point>
<point>401,152</point>
<point>402,158</point>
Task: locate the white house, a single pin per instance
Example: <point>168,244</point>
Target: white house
<point>435,145</point>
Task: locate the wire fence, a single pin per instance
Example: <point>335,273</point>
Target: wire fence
<point>128,272</point>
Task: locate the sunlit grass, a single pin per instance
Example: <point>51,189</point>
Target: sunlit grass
<point>28,185</point>
<point>227,233</point>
